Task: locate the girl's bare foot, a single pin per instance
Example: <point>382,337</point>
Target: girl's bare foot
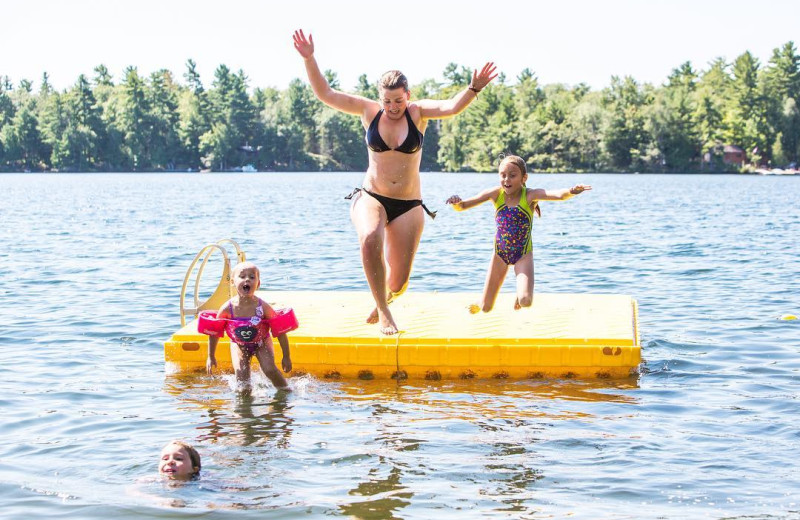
<point>517,306</point>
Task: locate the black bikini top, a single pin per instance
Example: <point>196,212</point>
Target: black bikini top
<point>376,143</point>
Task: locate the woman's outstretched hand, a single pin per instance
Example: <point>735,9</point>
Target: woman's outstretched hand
<point>304,46</point>
<point>486,75</point>
<point>454,199</point>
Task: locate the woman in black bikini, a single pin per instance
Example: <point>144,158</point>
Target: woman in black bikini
<point>387,211</point>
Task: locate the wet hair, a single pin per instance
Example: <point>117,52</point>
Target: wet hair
<point>245,265</point>
<point>194,456</point>
<point>393,79</point>
<point>517,161</point>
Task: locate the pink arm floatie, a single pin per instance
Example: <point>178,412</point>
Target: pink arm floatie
<point>208,324</point>
<point>283,321</point>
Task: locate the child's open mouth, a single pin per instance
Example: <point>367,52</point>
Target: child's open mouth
<point>246,287</point>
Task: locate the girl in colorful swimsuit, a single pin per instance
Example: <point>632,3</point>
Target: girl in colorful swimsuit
<point>246,325</point>
<point>514,205</point>
<point>387,211</point>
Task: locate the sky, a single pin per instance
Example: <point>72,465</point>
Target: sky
<point>565,41</point>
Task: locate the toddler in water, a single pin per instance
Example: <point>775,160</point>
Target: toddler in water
<point>246,325</point>
<point>179,461</point>
<point>514,207</point>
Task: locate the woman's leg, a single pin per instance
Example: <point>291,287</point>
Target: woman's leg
<point>402,240</point>
<point>369,219</point>
<point>266,358</point>
<point>494,280</point>
<point>524,272</point>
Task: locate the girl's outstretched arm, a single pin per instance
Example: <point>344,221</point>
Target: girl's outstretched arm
<point>440,108</point>
<point>347,103</point>
<point>566,193</point>
<point>480,198</point>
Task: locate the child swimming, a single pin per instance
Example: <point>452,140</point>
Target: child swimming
<point>514,207</point>
<point>246,318</point>
<point>179,461</point>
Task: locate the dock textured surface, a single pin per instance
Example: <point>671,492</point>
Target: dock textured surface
<point>561,335</point>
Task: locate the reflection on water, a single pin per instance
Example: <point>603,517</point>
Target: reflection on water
<point>384,446</point>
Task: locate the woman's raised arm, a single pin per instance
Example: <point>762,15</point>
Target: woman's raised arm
<point>441,108</point>
<point>348,103</point>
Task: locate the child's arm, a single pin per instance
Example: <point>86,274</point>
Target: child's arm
<point>566,193</point>
<point>283,340</point>
<point>480,198</point>
<point>286,360</point>
<point>211,360</point>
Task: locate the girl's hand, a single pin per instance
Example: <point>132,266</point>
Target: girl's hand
<point>579,188</point>
<point>486,75</point>
<point>210,363</point>
<point>304,46</point>
<point>286,364</point>
<point>455,199</point>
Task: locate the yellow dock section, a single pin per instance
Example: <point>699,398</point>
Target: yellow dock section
<point>561,335</point>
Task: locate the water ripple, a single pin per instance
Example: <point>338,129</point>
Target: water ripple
<point>708,429</point>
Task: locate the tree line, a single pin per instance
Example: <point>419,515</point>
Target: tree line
<point>155,123</point>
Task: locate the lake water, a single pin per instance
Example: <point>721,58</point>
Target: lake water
<point>90,274</point>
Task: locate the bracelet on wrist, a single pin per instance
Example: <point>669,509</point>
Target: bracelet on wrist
<point>475,90</point>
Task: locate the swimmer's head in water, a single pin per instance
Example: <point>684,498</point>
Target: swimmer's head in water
<point>179,461</point>
<point>392,80</point>
<point>246,277</point>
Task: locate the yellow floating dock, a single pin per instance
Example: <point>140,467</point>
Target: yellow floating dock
<point>561,335</point>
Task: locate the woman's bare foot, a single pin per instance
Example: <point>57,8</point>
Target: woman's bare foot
<point>517,306</point>
<point>373,316</point>
<point>388,326</point>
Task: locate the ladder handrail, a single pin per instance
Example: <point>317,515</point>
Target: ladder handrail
<point>224,280</point>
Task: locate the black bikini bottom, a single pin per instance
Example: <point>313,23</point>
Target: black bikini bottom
<point>394,207</point>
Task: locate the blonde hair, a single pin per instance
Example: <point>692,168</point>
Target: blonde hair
<point>393,79</point>
<point>245,265</point>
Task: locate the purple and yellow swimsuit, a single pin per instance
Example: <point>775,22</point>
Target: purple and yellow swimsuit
<point>513,238</point>
<point>249,332</point>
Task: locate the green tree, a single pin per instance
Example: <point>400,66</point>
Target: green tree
<point>162,100</point>
<point>783,80</point>
<point>626,139</point>
<point>193,116</point>
<point>673,124</point>
<point>747,115</point>
<point>232,120</point>
<point>22,140</point>
<point>296,126</point>
<point>133,120</point>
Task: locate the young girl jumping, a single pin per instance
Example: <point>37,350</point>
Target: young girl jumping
<point>246,318</point>
<point>514,207</point>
